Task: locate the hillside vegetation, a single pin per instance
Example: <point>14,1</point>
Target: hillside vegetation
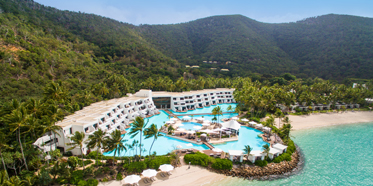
<point>86,52</point>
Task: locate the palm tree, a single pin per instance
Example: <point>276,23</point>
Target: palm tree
<point>16,120</point>
<point>77,141</point>
<point>3,146</point>
<point>266,150</point>
<point>247,150</point>
<point>49,126</point>
<point>55,92</point>
<point>229,109</point>
<point>96,140</point>
<point>137,128</point>
<point>217,111</point>
<point>152,131</point>
<point>115,142</point>
<point>170,129</point>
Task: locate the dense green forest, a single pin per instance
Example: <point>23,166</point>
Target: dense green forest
<point>85,52</point>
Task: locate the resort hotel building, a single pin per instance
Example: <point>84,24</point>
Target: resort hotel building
<point>117,114</point>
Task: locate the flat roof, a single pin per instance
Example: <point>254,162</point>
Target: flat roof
<point>188,93</point>
<point>92,113</point>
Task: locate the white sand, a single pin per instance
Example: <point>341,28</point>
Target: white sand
<point>329,119</point>
<point>181,176</point>
<point>196,175</point>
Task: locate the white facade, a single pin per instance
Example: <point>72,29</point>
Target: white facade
<point>184,101</point>
<point>107,115</point>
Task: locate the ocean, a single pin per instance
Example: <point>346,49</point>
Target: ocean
<point>336,155</point>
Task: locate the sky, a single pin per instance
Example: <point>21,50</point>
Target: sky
<point>178,11</point>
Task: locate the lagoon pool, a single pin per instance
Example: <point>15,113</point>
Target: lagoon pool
<point>247,136</point>
<point>165,144</point>
<point>190,125</point>
<point>223,107</point>
<point>210,117</point>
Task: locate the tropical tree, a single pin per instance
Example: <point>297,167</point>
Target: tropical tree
<point>217,111</point>
<point>279,115</point>
<point>16,120</point>
<point>137,128</point>
<point>170,129</point>
<point>152,131</point>
<point>247,150</point>
<point>77,141</point>
<point>96,140</point>
<point>115,142</point>
<point>230,109</point>
<point>266,150</point>
<point>3,146</point>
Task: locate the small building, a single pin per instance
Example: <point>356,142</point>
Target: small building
<point>213,68</point>
<point>210,61</point>
<point>215,62</point>
<point>236,154</point>
<point>195,66</point>
<point>187,66</point>
<point>256,155</point>
<point>273,153</point>
<point>205,61</point>
<point>224,70</point>
<point>280,147</point>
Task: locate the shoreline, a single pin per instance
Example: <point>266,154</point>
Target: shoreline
<point>304,122</point>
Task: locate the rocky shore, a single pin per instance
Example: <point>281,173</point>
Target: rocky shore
<point>270,172</point>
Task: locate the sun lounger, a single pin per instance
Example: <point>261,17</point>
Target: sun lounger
<point>145,181</point>
<point>153,178</point>
<point>212,154</point>
<point>183,151</point>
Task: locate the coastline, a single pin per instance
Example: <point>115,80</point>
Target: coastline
<point>304,122</point>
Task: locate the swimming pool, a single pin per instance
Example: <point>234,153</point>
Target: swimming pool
<point>190,125</point>
<point>223,107</point>
<point>157,119</point>
<point>162,145</point>
<point>210,117</point>
<point>247,136</point>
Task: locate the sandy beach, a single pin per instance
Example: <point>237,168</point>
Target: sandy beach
<point>196,175</point>
<point>329,119</point>
<point>181,176</point>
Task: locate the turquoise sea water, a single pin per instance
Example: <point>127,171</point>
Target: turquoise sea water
<point>337,155</point>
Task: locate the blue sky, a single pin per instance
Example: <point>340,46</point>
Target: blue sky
<point>178,11</point>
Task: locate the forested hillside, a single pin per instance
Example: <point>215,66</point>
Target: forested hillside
<point>329,46</point>
<point>86,52</point>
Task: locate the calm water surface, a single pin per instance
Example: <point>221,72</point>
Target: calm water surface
<point>337,155</point>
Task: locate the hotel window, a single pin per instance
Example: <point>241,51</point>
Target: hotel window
<point>204,94</point>
<point>71,130</point>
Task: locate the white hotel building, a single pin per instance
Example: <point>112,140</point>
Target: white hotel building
<point>118,113</point>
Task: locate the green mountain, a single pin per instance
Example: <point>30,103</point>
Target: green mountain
<point>40,44</point>
<point>329,46</point>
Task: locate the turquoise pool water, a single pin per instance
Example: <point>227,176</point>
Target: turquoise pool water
<point>223,107</point>
<point>337,155</point>
<point>209,117</point>
<point>247,136</point>
<point>158,119</point>
<point>190,125</point>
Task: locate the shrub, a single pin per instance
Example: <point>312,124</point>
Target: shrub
<point>105,180</point>
<point>92,182</point>
<point>135,167</point>
<point>278,159</point>
<point>198,159</point>
<point>92,155</point>
<point>82,183</point>
<point>76,176</point>
<point>119,176</point>
<point>88,172</point>
<point>98,171</point>
<point>261,163</point>
<point>106,169</point>
<point>86,162</point>
<point>222,164</point>
<point>255,119</point>
<point>68,153</point>
<point>156,162</point>
<point>73,162</point>
<point>291,147</point>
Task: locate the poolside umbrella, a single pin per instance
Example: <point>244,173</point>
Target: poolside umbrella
<point>234,118</point>
<point>173,119</point>
<point>201,119</point>
<point>203,135</point>
<point>179,147</point>
<point>217,150</point>
<point>252,123</point>
<point>180,129</point>
<point>207,121</point>
<point>197,127</point>
<point>179,125</point>
<point>149,173</point>
<point>186,118</point>
<point>190,131</point>
<point>244,120</point>
<point>170,122</point>
<point>166,167</point>
<point>205,124</point>
<point>132,179</point>
<point>189,145</point>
